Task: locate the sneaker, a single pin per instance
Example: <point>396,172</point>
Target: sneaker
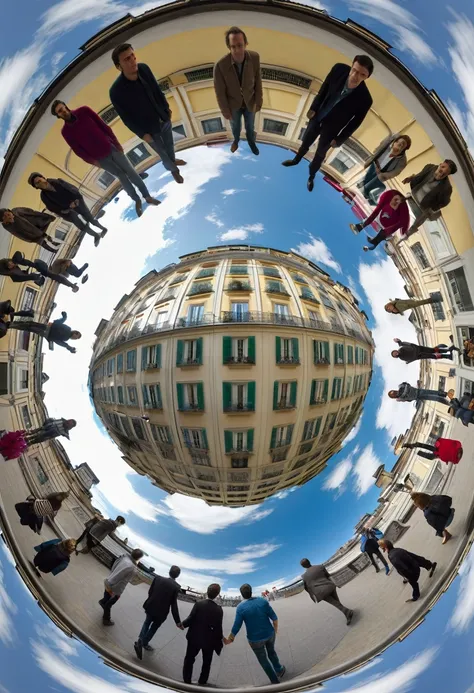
<point>366,248</point>
<point>405,581</point>
<point>137,646</point>
<point>349,617</point>
<point>40,281</point>
<point>254,149</point>
<point>281,673</point>
<point>104,231</point>
<point>387,570</point>
<point>355,228</point>
<point>433,568</point>
<point>234,146</point>
<point>290,162</point>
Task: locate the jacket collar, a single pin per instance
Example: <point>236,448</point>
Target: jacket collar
<point>232,61</point>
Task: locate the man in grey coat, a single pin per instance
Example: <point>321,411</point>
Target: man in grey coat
<point>318,584</point>
<point>431,191</point>
<point>96,530</point>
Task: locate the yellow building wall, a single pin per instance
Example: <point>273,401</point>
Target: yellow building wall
<point>280,100</point>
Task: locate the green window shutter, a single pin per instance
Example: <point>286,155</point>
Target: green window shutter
<point>305,430</point>
<point>341,349</point>
<point>226,349</point>
<point>295,345</point>
<point>315,351</point>
<point>278,348</point>
<point>204,439</point>
<point>250,440</point>
<point>293,390</point>
<point>275,395</point>
<point>179,352</point>
<point>326,352</point>
<point>168,434</point>
<point>226,395</point>
<point>144,357</point>
<point>289,433</point>
<point>158,394</point>
<point>228,439</point>
<point>335,352</point>
<point>326,390</point>
<point>318,426</point>
<point>199,350</point>
<point>180,393</point>
<point>313,391</point>
<point>274,435</point>
<point>251,348</point>
<point>158,355</point>
<point>200,394</point>
<point>146,400</point>
<point>251,395</point>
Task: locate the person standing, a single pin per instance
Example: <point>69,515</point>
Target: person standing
<point>387,162</point>
<point>393,215</point>
<point>8,268</point>
<point>30,226</point>
<point>407,564</point>
<point>66,267</point>
<point>369,544</point>
<point>438,512</point>
<point>53,556</point>
<point>261,623</point>
<point>94,141</point>
<point>410,352</point>
<point>205,633</point>
<point>408,393</point>
<point>56,332</point>
<point>40,266</point>
<point>95,531</point>
<point>51,428</point>
<point>65,200</point>
<point>398,306</point>
<point>140,103</point>
<point>124,570</point>
<point>318,584</point>
<point>162,596</point>
<point>431,191</point>
<point>33,511</point>
<point>445,449</point>
<point>238,87</point>
<point>338,109</point>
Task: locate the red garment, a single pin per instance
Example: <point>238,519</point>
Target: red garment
<point>448,450</point>
<point>12,444</point>
<point>88,136</point>
<point>390,219</point>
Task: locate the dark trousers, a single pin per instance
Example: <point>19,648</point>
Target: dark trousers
<point>38,435</point>
<point>192,652</point>
<point>41,267</point>
<point>415,576</point>
<point>107,603</point>
<point>379,555</point>
<point>75,270</point>
<point>314,130</point>
<point>163,144</point>
<point>333,600</point>
<point>431,455</point>
<point>379,238</point>
<point>249,121</point>
<point>148,630</point>
<point>28,517</point>
<point>372,184</point>
<point>74,217</point>
<point>29,326</point>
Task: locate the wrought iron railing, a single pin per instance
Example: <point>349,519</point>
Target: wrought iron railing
<point>239,407</point>
<point>288,361</point>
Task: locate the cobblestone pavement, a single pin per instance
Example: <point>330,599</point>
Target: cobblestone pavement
<point>312,638</point>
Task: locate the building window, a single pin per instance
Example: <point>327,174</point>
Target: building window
<point>195,314</point>
<point>132,396</point>
<point>348,385</point>
<point>342,162</point>
<point>442,383</point>
<point>105,180</point>
<point>179,130</point>
<point>336,388</point>
<point>240,311</point>
<point>195,438</point>
<point>302,132</point>
<point>161,434</point>
<point>212,125</point>
<point>460,289</point>
<point>138,428</point>
<point>304,449</point>
<point>190,396</point>
<point>238,350</point>
<point>119,363</point>
<point>438,310</point>
<point>311,428</point>
<point>271,272</point>
<point>29,298</point>
<point>41,474</point>
<point>138,154</point>
<point>120,394</point>
<point>25,415</point>
<point>419,253</point>
<point>131,360</point>
<point>23,379</point>
<point>189,352</point>
<point>199,458</point>
<point>110,366</point>
<point>319,391</point>
<point>350,354</point>
<point>330,422</point>
<point>338,353</point>
<point>281,436</point>
<point>281,313</point>
<point>152,396</point>
<point>151,356</point>
<point>239,462</point>
<point>275,127</point>
<point>321,352</point>
<point>112,395</point>
<point>287,350</point>
<point>284,395</point>
<point>238,441</point>
<point>238,396</point>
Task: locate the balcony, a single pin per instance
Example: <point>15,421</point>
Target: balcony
<point>200,288</point>
<point>244,450</point>
<point>321,361</point>
<point>187,408</point>
<point>152,365</point>
<point>237,269</point>
<point>239,286</point>
<point>309,297</point>
<point>298,278</point>
<point>318,400</point>
<point>189,362</point>
<point>239,360</point>
<point>283,405</point>
<point>270,272</point>
<point>289,361</point>
<point>239,408</point>
<point>196,447</point>
<point>280,290</point>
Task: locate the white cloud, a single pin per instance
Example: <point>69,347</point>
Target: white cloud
<point>381,282</point>
<point>461,30</point>
<point>339,474</point>
<point>7,612</point>
<point>316,250</point>
<point>364,470</point>
<point>404,25</point>
<point>213,218</point>
<point>281,495</point>
<point>353,433</point>
<point>402,679</point>
<point>353,287</point>
<point>316,4</point>
<point>248,176</point>
<point>463,613</point>
<point>231,191</point>
<point>241,233</point>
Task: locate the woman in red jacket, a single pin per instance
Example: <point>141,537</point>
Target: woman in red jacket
<point>445,449</point>
<point>392,212</point>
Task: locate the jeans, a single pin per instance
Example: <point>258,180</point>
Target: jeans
<point>249,121</point>
<point>74,217</point>
<point>163,144</point>
<point>75,271</point>
<point>29,326</point>
<point>107,603</point>
<point>192,651</point>
<point>148,630</point>
<point>379,556</point>
<point>119,165</point>
<point>372,185</point>
<point>432,396</point>
<point>267,657</point>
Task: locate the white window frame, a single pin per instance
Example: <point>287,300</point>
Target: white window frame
<point>240,394</point>
<point>190,394</point>
<point>240,352</point>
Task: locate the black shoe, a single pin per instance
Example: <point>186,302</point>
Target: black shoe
<point>349,617</point>
<point>108,622</point>
<point>410,446</point>
<point>310,183</point>
<point>84,267</point>
<point>377,570</point>
<point>254,149</point>
<point>405,581</point>
<point>433,568</point>
<point>281,673</point>
<point>40,281</point>
<point>17,257</point>
<point>290,162</point>
<point>137,646</point>
<point>84,279</point>
<point>138,208</point>
<point>148,648</point>
<point>97,239</point>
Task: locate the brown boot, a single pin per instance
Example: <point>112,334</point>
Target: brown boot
<point>177,176</point>
<point>234,146</point>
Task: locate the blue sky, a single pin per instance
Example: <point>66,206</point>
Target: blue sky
<point>259,201</point>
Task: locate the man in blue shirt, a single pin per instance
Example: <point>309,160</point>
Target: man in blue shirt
<point>262,626</point>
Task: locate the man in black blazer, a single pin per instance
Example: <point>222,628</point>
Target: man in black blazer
<point>140,103</point>
<point>162,596</point>
<point>205,633</point>
<point>337,111</point>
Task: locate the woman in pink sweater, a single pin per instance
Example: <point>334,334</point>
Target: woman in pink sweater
<point>392,212</point>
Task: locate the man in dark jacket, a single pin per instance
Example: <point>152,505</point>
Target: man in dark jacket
<point>318,584</point>
<point>139,101</point>
<point>65,200</point>
<point>56,332</point>
<point>338,109</point>
<point>408,565</point>
<point>162,596</point>
<point>205,633</point>
<point>93,141</point>
<point>51,428</point>
<point>370,546</point>
<point>431,191</point>
<point>95,531</point>
<point>409,352</point>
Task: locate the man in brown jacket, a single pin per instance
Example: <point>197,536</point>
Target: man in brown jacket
<point>431,191</point>
<point>238,86</point>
